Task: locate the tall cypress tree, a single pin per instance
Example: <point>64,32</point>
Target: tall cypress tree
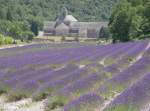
<point>34,27</point>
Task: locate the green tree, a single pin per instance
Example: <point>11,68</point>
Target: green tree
<point>120,22</point>
<point>4,27</point>
<point>34,27</point>
<point>15,30</point>
<point>135,2</point>
<point>146,22</point>
<point>130,20</point>
<point>104,33</point>
<point>27,36</point>
<point>3,13</point>
<point>135,27</point>
<point>9,14</point>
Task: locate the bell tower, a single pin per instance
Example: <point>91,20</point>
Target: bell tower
<point>62,16</point>
<point>64,11</point>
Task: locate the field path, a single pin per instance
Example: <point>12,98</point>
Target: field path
<point>22,105</point>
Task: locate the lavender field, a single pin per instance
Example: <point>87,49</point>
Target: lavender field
<point>79,77</point>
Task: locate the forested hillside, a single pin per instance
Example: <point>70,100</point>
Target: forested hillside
<point>22,19</point>
<point>84,10</point>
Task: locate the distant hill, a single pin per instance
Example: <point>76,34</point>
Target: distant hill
<point>84,10</point>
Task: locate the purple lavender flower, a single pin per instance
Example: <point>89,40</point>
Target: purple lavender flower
<point>86,102</point>
<point>136,96</point>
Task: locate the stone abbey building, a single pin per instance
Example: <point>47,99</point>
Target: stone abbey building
<point>68,25</point>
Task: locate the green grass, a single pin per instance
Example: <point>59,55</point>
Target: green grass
<point>108,74</point>
<point>122,108</point>
<point>84,107</point>
<point>1,109</point>
<point>108,61</point>
<point>42,94</point>
<point>112,90</point>
<point>55,102</point>
<point>16,96</point>
<point>3,88</point>
<point>130,59</point>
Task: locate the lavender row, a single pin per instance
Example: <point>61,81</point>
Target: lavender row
<point>51,56</point>
<point>39,76</point>
<point>31,83</point>
<point>52,86</point>
<point>135,97</point>
<point>126,78</point>
<point>76,104</point>
<point>87,102</point>
<point>124,61</point>
<point>31,56</point>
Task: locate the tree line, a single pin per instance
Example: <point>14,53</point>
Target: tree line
<point>130,19</point>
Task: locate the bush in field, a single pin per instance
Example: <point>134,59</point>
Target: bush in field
<point>16,96</point>
<point>27,36</point>
<point>76,39</point>
<point>30,35</point>
<point>1,39</point>
<point>63,38</point>
<point>6,40</point>
<point>54,102</point>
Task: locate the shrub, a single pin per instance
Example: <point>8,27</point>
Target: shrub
<point>6,40</point>
<point>3,88</point>
<point>27,36</point>
<point>63,38</point>
<point>9,40</point>
<point>2,92</point>
<point>38,96</point>
<point>16,95</point>
<point>76,39</point>
<point>1,39</point>
<point>55,101</point>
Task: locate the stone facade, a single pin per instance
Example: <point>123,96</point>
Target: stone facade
<point>67,25</point>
